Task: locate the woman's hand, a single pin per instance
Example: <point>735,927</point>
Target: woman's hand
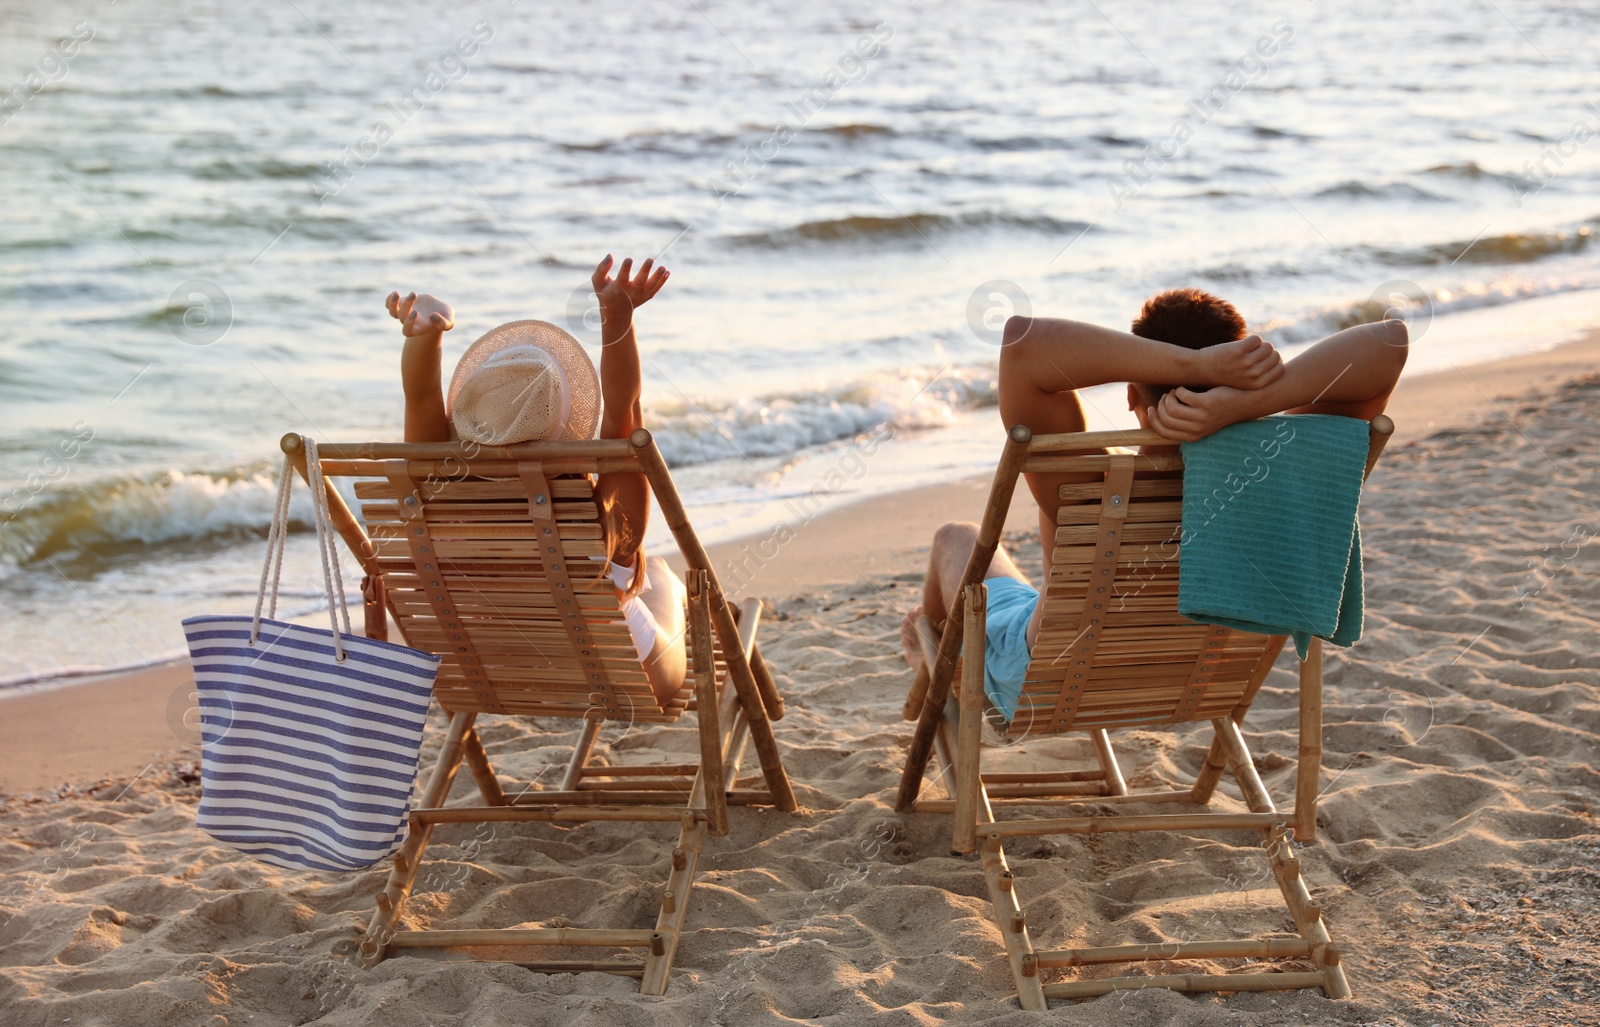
<point>1250,363</point>
<point>420,315</point>
<point>1184,415</point>
<point>620,295</point>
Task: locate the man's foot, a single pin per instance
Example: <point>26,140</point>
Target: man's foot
<point>909,641</point>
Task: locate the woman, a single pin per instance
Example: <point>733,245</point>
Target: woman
<point>528,381</point>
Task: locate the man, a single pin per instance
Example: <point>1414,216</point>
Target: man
<point>1191,370</point>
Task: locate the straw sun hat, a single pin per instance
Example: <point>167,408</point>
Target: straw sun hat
<point>525,381</point>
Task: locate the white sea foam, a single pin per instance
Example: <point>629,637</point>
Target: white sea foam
<point>1413,301</point>
<point>112,516</point>
<point>781,425</point>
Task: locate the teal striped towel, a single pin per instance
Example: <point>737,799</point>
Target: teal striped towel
<point>1270,542</point>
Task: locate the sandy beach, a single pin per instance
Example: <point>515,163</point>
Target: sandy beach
<point>1455,863</point>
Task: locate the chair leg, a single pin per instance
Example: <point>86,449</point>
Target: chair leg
<point>1115,785</point>
<point>403,872</point>
<point>714,794</point>
<point>738,740</point>
<point>482,773</point>
<point>943,757</point>
<point>969,729</point>
<point>923,738</point>
<point>750,695</point>
<point>580,754</point>
<point>1243,766</point>
<point>1308,771</point>
<point>1008,916</point>
<point>1205,783</point>
<point>730,713</point>
<point>674,905</point>
<point>375,615</point>
<point>1307,913</point>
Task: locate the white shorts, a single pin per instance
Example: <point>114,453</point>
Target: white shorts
<point>641,624</point>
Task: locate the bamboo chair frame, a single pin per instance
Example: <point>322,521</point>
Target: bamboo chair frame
<point>494,611</point>
<point>1144,667</point>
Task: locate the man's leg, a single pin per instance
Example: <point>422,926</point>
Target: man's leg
<point>947,562</point>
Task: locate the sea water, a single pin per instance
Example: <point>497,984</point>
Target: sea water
<point>204,205</point>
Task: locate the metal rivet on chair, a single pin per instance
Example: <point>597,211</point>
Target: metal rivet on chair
<point>552,549</point>
<point>538,500</point>
<point>1116,500</point>
<point>421,532</point>
<point>422,549</point>
<point>411,500</point>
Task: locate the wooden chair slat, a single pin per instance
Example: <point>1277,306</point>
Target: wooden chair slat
<point>1137,513</point>
<point>475,491</point>
<point>1157,486</point>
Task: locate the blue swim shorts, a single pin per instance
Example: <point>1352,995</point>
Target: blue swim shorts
<point>1005,641</point>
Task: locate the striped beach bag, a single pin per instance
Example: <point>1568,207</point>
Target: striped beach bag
<point>310,737</point>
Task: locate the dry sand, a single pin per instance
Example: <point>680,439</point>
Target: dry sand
<point>1456,862</point>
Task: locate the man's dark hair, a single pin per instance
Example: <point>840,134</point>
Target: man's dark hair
<point>1191,318</point>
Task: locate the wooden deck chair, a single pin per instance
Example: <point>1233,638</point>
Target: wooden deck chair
<point>1131,662</point>
<point>484,555</point>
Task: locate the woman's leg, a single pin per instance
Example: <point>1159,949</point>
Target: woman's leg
<point>668,660</point>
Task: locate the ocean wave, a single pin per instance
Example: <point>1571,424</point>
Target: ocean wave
<point>656,140</point>
<point>226,170</point>
<point>1029,143</point>
<point>917,224</point>
<point>111,517</point>
<point>852,130</point>
<point>1316,324</point>
<point>1269,132</point>
<point>117,517</point>
<point>1474,172</point>
<point>781,425</point>
<point>1353,189</point>
<point>1511,248</point>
